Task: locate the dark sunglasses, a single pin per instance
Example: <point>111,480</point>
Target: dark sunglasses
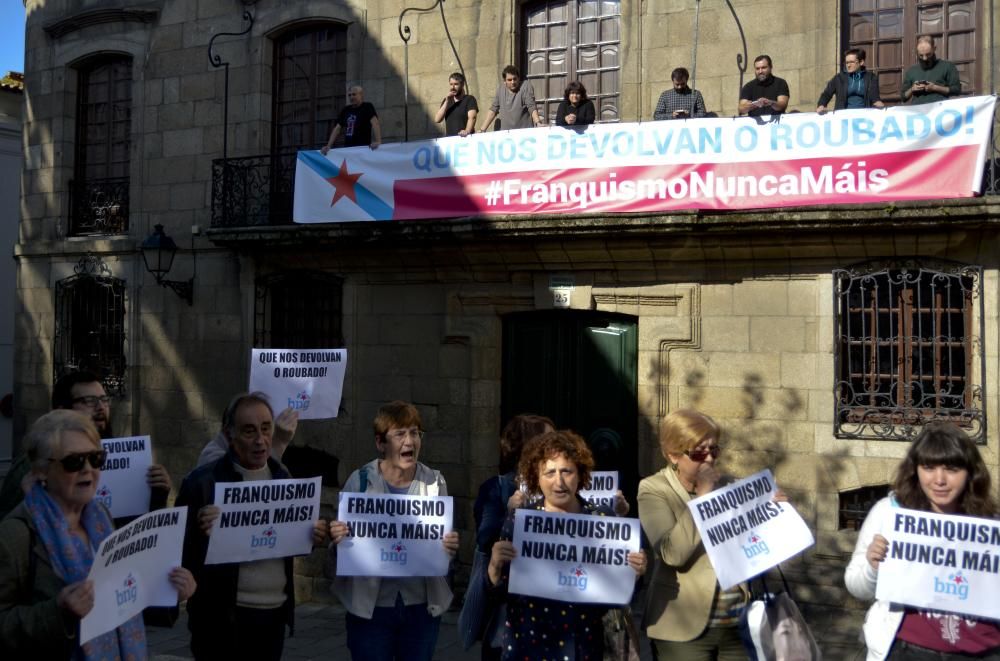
<point>73,463</point>
<point>702,455</point>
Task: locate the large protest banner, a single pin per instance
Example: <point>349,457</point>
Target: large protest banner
<point>941,562</point>
<point>131,570</point>
<point>603,485</point>
<point>263,519</point>
<point>123,488</point>
<point>744,531</point>
<point>311,381</point>
<point>796,159</point>
<point>573,557</point>
<point>393,535</point>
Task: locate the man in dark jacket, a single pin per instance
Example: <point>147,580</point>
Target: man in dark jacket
<point>241,609</point>
<point>855,86</point>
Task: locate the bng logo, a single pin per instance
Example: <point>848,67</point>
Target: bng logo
<point>955,585</point>
<point>103,496</point>
<point>395,554</point>
<point>129,592</point>
<point>755,546</point>
<point>267,538</point>
<point>576,578</point>
<point>300,402</point>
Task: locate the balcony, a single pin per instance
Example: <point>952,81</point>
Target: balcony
<point>253,190</point>
<point>99,206</point>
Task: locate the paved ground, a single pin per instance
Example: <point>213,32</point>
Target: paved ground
<point>319,634</point>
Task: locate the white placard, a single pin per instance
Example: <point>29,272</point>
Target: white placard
<point>603,486</point>
<point>744,531</point>
<point>580,558</point>
<point>263,519</point>
<point>392,535</point>
<point>310,381</point>
<point>941,562</point>
<point>123,488</point>
<point>131,570</point>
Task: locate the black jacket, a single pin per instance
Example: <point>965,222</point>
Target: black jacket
<point>838,86</point>
<point>212,608</point>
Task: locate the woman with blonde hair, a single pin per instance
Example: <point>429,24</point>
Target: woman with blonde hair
<point>688,615</point>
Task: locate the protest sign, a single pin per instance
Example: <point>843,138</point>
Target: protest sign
<point>131,570</point>
<point>744,531</point>
<point>263,519</point>
<point>573,557</point>
<point>311,381</point>
<point>394,535</point>
<point>603,485</point>
<point>123,488</point>
<point>844,157</point>
<point>942,562</point>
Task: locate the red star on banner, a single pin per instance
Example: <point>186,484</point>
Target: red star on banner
<point>343,184</point>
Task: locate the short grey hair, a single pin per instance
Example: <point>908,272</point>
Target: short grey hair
<point>44,439</point>
<point>229,415</point>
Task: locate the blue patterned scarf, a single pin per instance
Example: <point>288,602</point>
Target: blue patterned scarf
<point>71,558</point>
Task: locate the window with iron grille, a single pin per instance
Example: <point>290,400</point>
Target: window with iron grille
<point>908,348</point>
<point>887,30</point>
<point>567,40</point>
<point>298,310</point>
<point>90,325</point>
<point>100,188</point>
<point>856,503</point>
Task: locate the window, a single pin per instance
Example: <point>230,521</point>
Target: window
<point>298,310</point>
<point>908,349</point>
<point>310,88</point>
<point>573,40</point>
<point>90,325</point>
<point>855,505</point>
<point>100,187</point>
<point>887,30</point>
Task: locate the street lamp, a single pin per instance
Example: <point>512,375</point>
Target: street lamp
<point>158,252</point>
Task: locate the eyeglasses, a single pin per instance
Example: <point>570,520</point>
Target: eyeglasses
<point>92,400</point>
<point>702,455</point>
<point>401,434</point>
<point>73,463</point>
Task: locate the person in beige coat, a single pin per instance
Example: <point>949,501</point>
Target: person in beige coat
<point>688,616</point>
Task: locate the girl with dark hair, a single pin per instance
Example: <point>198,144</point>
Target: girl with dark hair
<point>575,109</point>
<point>942,472</point>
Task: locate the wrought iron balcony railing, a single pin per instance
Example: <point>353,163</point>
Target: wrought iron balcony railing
<point>99,206</point>
<point>253,190</point>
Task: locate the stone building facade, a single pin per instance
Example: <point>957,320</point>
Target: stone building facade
<point>733,313</point>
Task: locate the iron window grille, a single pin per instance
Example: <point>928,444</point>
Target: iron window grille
<point>99,192</point>
<point>908,348</point>
<point>856,503</point>
<point>298,310</point>
<point>90,325</point>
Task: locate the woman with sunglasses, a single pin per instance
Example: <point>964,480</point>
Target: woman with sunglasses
<point>47,544</point>
<point>688,615</point>
<point>942,472</point>
<point>394,619</point>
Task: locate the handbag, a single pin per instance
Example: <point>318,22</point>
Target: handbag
<point>772,627</point>
<point>621,638</point>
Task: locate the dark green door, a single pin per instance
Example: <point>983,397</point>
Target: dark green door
<point>578,368</point>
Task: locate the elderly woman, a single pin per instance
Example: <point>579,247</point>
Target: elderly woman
<point>394,619</point>
<point>47,544</point>
<point>942,472</point>
<point>558,464</point>
<point>688,615</point>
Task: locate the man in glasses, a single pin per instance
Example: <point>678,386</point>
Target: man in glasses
<point>240,609</point>
<point>930,79</point>
<point>83,392</point>
<point>854,87</point>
